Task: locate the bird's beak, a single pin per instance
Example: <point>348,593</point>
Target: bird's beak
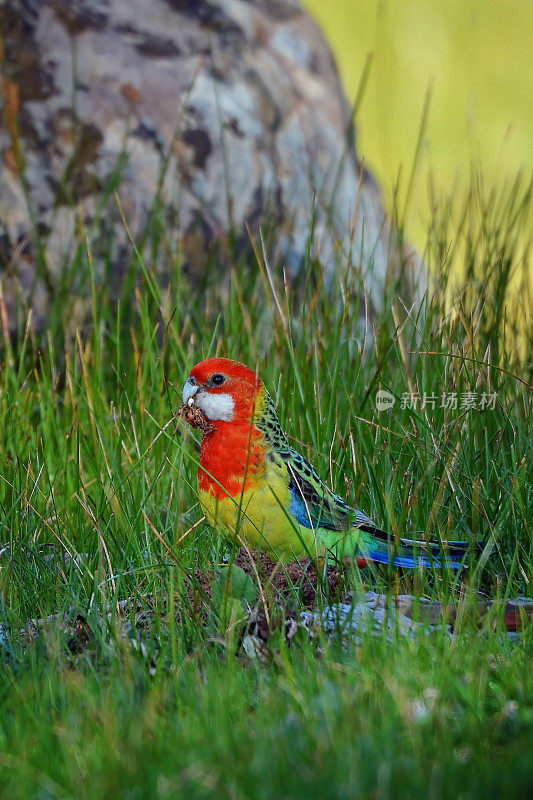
<point>189,390</point>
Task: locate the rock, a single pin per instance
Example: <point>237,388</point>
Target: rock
<point>370,616</point>
<point>205,117</point>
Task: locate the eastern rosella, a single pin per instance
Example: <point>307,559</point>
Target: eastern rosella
<point>263,492</point>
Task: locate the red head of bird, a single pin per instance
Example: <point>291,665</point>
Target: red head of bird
<point>224,390</point>
<point>230,395</point>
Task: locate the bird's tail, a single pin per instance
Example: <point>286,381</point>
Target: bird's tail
<point>382,548</point>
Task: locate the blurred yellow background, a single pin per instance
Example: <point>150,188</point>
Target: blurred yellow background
<point>476,54</point>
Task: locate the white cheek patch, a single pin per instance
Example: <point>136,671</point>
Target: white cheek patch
<point>216,406</point>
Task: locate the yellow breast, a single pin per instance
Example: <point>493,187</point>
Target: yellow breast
<point>260,516</point>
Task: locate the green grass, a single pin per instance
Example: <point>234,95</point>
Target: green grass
<point>91,470</point>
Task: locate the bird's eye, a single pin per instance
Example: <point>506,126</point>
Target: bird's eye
<point>218,379</point>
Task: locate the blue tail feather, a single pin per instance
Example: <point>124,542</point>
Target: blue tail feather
<point>410,562</point>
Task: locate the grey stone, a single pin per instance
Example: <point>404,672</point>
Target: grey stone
<point>239,100</point>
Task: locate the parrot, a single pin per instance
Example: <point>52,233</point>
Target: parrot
<point>263,493</point>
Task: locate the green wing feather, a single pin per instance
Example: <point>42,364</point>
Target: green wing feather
<point>315,506</point>
<point>324,508</point>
